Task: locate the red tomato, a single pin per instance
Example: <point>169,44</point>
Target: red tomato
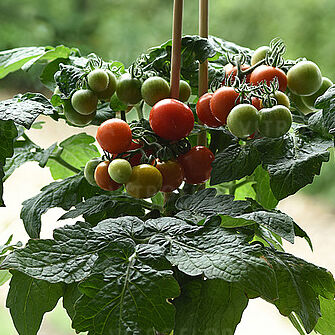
<point>114,136</point>
<point>196,164</point>
<point>171,119</point>
<point>268,73</point>
<point>256,102</point>
<point>173,175</point>
<point>103,179</point>
<point>204,112</point>
<point>232,70</point>
<point>222,102</point>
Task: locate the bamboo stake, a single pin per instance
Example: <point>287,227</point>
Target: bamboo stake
<point>176,47</point>
<point>203,68</point>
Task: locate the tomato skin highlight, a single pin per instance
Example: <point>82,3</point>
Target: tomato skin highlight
<point>145,181</point>
<point>114,136</point>
<point>268,73</point>
<point>172,173</point>
<point>196,164</point>
<point>222,102</point>
<point>204,112</point>
<point>171,119</point>
<point>103,179</point>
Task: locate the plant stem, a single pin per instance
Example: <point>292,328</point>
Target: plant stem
<point>62,162</point>
<point>139,111</point>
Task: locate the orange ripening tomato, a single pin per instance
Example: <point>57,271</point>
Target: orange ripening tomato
<point>114,136</point>
<point>103,179</point>
<point>173,175</point>
<point>204,112</point>
<point>268,73</point>
<point>223,101</point>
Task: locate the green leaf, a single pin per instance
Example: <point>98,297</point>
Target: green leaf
<point>8,133</point>
<point>326,324</point>
<point>101,207</point>
<point>209,307</point>
<point>204,203</point>
<point>77,150</point>
<point>4,276</point>
<point>215,252</point>
<point>128,295</point>
<point>64,194</point>
<point>68,258</point>
<point>235,162</point>
<point>70,297</point>
<point>29,299</point>
<point>293,161</point>
<point>327,103</point>
<point>26,151</point>
<point>24,109</point>
<point>264,194</point>
<point>299,285</point>
<point>104,112</point>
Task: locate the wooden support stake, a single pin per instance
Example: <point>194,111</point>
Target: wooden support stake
<point>176,47</point>
<point>203,68</point>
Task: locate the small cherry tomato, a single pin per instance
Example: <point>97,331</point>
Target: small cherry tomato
<point>256,102</point>
<point>309,100</point>
<point>155,89</point>
<point>196,164</point>
<point>231,71</point>
<point>171,119</point>
<point>304,78</point>
<point>120,170</point>
<point>106,94</point>
<point>269,73</point>
<point>103,179</point>
<point>222,102</point>
<point>275,121</point>
<point>184,91</point>
<point>98,80</point>
<point>173,175</point>
<point>129,89</point>
<point>259,54</point>
<point>76,118</point>
<point>84,101</point>
<point>114,136</point>
<point>282,99</point>
<point>242,121</point>
<point>145,181</point>
<point>204,112</point>
<point>90,169</point>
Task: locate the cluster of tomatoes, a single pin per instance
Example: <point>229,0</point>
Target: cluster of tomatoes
<point>102,84</point>
<point>170,120</point>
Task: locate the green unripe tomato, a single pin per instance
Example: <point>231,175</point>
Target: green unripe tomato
<point>106,94</point>
<point>84,102</point>
<point>155,89</point>
<point>129,90</point>
<point>282,99</point>
<point>120,170</point>
<point>309,100</point>
<point>242,120</point>
<point>259,54</point>
<point>98,80</point>
<point>304,78</point>
<point>185,91</point>
<point>76,118</point>
<point>275,121</point>
<point>90,169</point>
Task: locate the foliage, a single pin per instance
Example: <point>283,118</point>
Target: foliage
<point>138,266</point>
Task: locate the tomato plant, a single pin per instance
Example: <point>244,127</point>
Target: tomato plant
<point>194,233</point>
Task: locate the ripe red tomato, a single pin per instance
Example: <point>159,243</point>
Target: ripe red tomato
<point>171,119</point>
<point>256,102</point>
<point>232,70</point>
<point>268,73</point>
<point>196,164</point>
<point>103,179</point>
<point>173,175</point>
<point>204,112</point>
<point>114,136</point>
<point>222,102</point>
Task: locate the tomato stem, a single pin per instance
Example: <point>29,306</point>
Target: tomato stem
<point>139,111</point>
<point>62,162</point>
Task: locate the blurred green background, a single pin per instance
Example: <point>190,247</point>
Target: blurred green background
<point>121,30</point>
